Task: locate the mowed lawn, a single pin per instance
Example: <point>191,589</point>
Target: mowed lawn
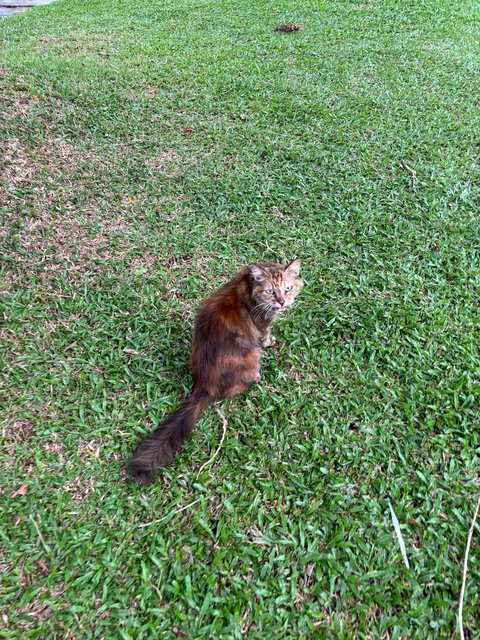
<point>150,150</point>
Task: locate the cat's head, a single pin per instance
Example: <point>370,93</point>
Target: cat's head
<point>275,286</point>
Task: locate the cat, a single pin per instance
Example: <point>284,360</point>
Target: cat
<point>230,330</point>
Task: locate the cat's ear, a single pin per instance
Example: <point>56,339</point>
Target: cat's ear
<point>293,269</point>
<point>257,273</point>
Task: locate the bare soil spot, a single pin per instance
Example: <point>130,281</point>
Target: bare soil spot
<point>91,449</point>
<point>18,103</point>
<point>169,164</point>
<point>56,448</point>
<point>80,487</point>
<point>18,431</point>
<point>80,43</point>
<point>16,167</point>
<point>39,610</point>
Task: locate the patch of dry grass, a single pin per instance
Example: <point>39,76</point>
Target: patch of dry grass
<point>53,224</point>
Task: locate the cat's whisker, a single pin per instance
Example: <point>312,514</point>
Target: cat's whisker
<point>260,308</point>
<point>263,308</point>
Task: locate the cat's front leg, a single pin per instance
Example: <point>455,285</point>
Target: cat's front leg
<point>267,340</point>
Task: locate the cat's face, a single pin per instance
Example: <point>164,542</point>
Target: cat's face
<point>274,286</point>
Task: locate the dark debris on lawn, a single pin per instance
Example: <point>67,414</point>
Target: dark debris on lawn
<point>289,27</point>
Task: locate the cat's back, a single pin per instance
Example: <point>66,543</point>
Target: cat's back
<point>223,324</point>
<point>223,308</point>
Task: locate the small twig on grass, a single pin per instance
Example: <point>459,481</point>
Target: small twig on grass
<point>45,545</point>
<point>210,460</point>
<point>187,506</point>
<point>465,563</point>
<point>411,171</point>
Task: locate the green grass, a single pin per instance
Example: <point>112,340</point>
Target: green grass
<point>151,149</point>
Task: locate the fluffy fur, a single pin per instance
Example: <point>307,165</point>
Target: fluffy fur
<point>230,330</point>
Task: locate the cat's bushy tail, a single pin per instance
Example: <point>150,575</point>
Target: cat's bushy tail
<point>160,447</point>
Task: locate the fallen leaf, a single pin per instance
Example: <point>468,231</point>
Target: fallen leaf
<point>308,573</point>
<point>20,492</point>
<point>26,578</point>
<point>43,566</point>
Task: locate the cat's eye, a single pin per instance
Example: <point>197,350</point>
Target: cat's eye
<point>268,290</point>
<point>288,288</point>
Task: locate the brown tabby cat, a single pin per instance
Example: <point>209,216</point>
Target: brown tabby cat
<point>230,330</point>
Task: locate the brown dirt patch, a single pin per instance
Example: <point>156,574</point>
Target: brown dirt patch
<point>39,610</point>
<point>56,449</point>
<point>91,449</point>
<point>18,431</point>
<point>80,487</point>
<point>169,164</point>
<point>80,43</point>
<point>18,103</point>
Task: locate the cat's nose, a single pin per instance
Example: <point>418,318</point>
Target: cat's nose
<point>280,298</point>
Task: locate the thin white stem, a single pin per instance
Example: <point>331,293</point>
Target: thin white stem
<point>45,545</point>
<point>187,506</point>
<point>465,563</point>
<point>210,460</point>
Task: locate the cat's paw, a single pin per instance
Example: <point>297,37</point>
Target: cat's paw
<point>249,383</point>
<point>270,341</point>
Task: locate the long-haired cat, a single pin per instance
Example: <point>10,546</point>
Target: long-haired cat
<point>230,330</point>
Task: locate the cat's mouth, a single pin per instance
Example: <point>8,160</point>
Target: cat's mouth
<point>281,308</point>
